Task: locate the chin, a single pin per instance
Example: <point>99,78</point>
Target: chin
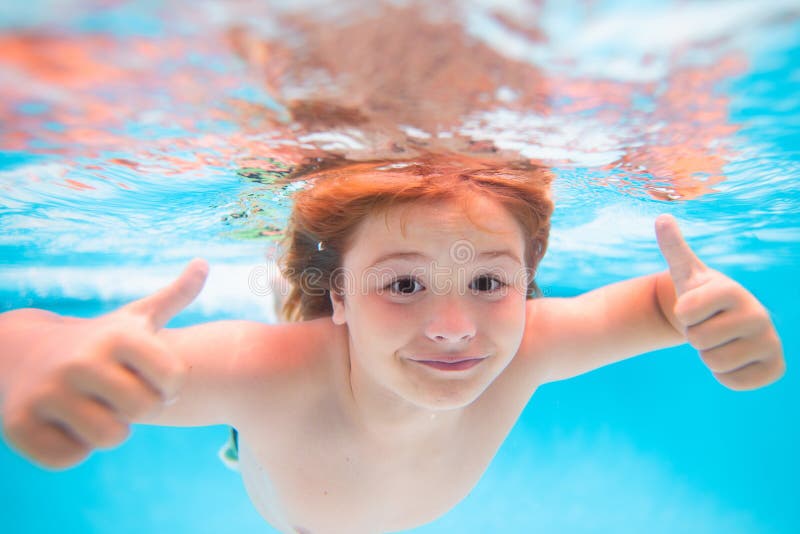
<point>441,391</point>
<point>448,404</point>
<point>453,397</point>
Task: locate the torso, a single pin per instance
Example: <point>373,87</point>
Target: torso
<point>308,469</point>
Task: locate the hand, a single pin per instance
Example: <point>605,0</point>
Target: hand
<point>81,383</point>
<point>721,319</point>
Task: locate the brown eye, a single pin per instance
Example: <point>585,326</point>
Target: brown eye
<point>487,284</point>
<point>404,286</point>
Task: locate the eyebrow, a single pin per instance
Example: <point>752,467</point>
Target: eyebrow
<point>417,256</point>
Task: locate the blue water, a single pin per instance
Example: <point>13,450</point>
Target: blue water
<point>651,444</point>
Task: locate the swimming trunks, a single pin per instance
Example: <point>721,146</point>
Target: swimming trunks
<point>229,453</point>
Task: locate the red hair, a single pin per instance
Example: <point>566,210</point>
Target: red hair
<point>343,193</point>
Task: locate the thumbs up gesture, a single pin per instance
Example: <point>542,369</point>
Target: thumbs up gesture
<point>79,383</point>
<point>721,319</point>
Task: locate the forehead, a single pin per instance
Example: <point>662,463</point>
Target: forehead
<point>428,226</point>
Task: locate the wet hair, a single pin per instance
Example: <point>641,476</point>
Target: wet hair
<point>340,194</point>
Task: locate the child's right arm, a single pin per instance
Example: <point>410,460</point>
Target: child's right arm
<point>70,385</point>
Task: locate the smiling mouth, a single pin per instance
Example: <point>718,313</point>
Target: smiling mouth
<point>451,365</point>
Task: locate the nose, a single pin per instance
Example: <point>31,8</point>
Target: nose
<point>450,323</point>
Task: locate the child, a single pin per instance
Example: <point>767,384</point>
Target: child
<point>416,344</point>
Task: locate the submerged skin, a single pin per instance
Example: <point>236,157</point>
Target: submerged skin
<point>342,428</point>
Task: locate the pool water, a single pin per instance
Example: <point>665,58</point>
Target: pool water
<point>137,135</point>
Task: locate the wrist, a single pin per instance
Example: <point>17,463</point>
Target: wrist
<point>19,330</point>
<point>666,297</point>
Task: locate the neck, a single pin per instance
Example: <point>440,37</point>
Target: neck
<point>387,417</point>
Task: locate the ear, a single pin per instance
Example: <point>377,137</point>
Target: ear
<point>337,302</point>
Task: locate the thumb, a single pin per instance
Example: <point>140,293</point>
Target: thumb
<point>686,269</point>
<point>165,303</point>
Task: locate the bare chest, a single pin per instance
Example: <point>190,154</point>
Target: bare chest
<point>317,488</point>
<point>307,469</point>
<point>322,482</point>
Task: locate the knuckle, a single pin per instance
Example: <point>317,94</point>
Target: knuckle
<point>44,395</point>
<point>776,366</point>
<point>76,370</point>
<point>112,434</point>
<point>731,384</point>
<point>41,441</point>
<point>780,370</point>
<point>697,338</point>
<point>16,425</point>
<point>735,381</point>
<point>105,427</point>
<point>67,455</point>
<point>752,376</point>
<point>99,433</point>
<point>53,450</point>
<point>144,405</point>
<point>760,319</point>
<point>716,362</point>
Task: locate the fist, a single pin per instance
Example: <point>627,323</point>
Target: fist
<point>721,319</point>
<point>81,383</point>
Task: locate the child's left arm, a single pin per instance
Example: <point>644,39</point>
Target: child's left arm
<point>691,303</point>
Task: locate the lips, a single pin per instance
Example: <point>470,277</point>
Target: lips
<point>457,366</point>
<point>445,358</point>
<point>448,362</point>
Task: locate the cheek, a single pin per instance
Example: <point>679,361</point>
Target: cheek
<point>373,318</point>
<point>508,319</point>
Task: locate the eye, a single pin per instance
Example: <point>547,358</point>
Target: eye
<point>404,286</point>
<point>487,284</point>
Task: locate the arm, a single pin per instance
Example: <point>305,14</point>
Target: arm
<point>576,335</point>
<point>69,385</point>
<point>236,368</point>
<point>40,344</point>
<point>217,360</point>
<point>691,303</point>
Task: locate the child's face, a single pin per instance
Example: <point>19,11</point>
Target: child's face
<point>457,292</point>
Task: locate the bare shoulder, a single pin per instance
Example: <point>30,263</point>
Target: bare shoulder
<point>559,332</point>
<point>547,323</point>
<point>233,363</point>
<point>542,341</point>
<point>566,337</point>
